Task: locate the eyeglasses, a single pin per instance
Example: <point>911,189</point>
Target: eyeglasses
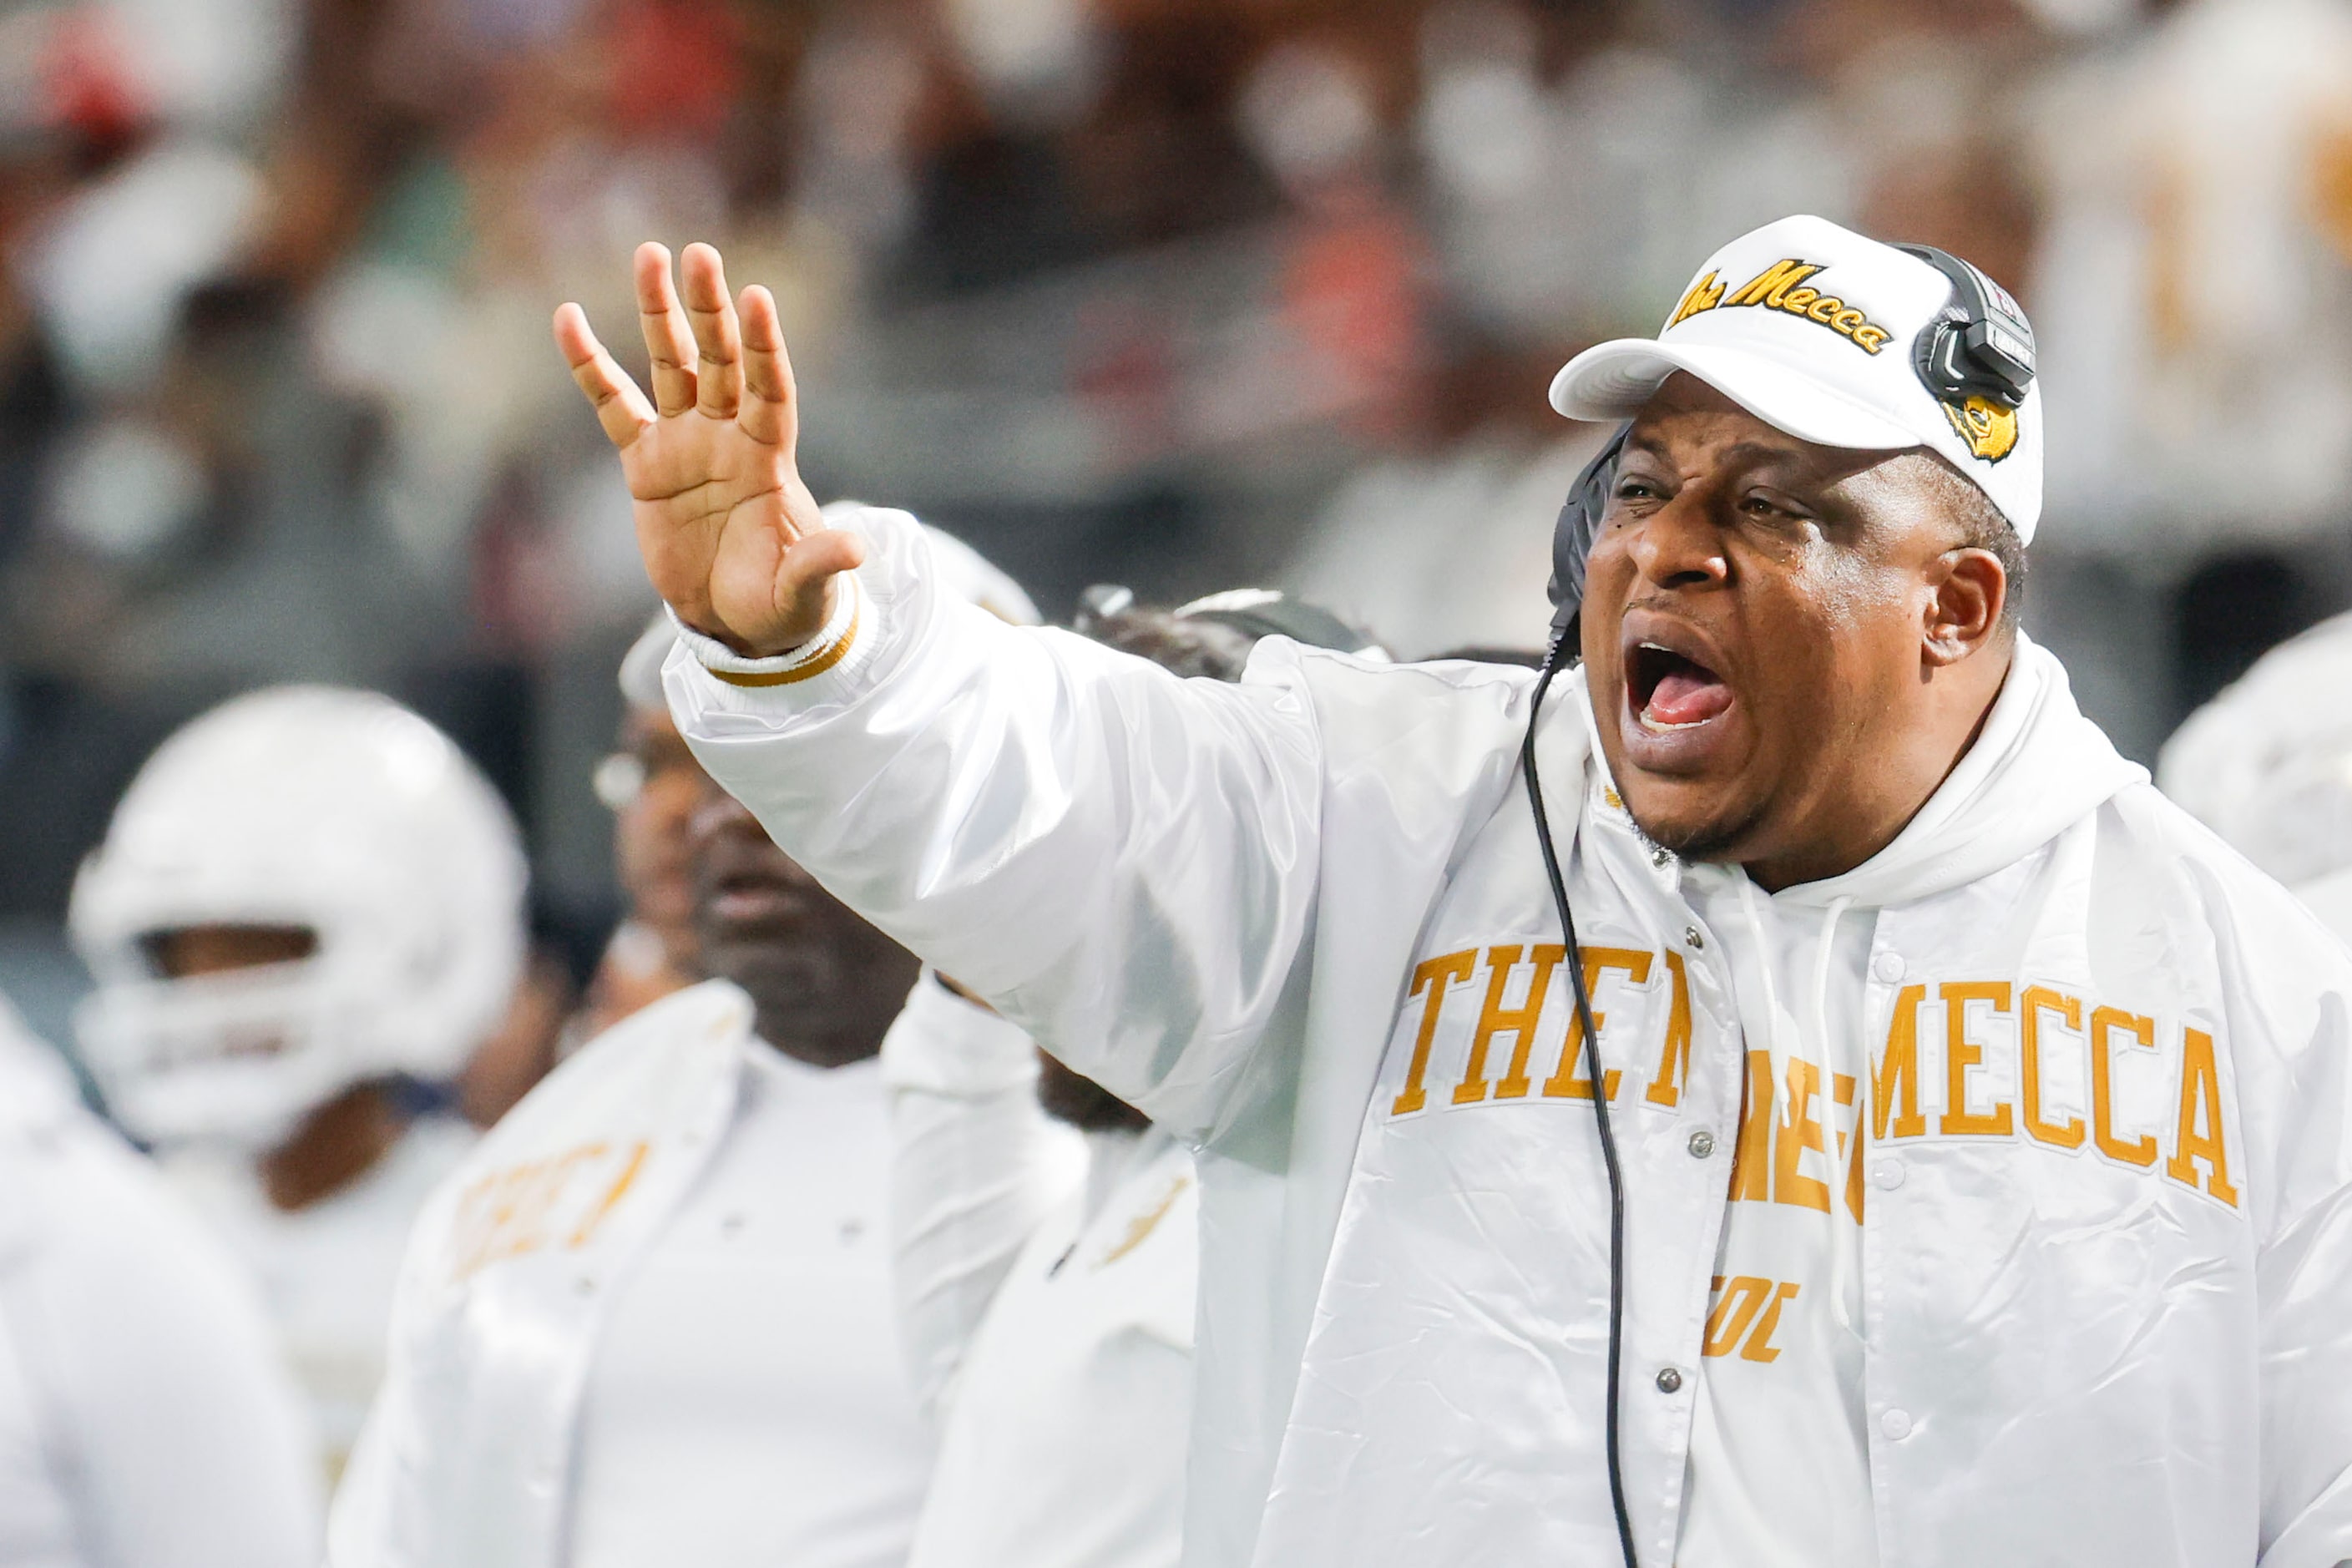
<point>622,778</point>
<point>618,780</point>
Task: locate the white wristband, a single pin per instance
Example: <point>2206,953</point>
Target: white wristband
<point>813,657</point>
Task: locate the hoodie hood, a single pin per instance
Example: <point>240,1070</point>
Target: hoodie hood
<point>2038,768</point>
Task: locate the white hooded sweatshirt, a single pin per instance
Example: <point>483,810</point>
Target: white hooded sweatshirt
<point>2103,1189</point>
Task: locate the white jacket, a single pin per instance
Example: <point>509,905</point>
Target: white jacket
<point>650,1313</point>
<point>469,1456</point>
<point>2127,1348</point>
<point>146,1420</point>
<point>1045,1294</point>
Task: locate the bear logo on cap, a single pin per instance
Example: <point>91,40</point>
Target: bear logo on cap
<point>1990,430</point>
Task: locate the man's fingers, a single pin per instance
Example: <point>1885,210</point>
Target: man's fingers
<point>663,321</point>
<point>768,413</point>
<point>719,374</point>
<point>621,408</point>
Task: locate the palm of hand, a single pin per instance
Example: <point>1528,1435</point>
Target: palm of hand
<point>714,514</point>
<point>731,538</point>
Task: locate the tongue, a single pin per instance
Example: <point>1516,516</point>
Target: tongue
<point>1687,696</point>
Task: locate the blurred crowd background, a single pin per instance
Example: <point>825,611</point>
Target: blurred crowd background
<point>1175,294</point>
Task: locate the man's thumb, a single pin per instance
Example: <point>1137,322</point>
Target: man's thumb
<point>813,558</point>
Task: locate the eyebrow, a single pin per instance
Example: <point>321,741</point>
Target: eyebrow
<point>1745,452</point>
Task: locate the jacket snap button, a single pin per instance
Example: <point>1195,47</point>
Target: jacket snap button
<point>1660,856</point>
<point>1702,1144</point>
<point>1887,967</point>
<point>1669,1381</point>
<point>1888,1174</point>
<point>1690,935</point>
<point>1895,1424</point>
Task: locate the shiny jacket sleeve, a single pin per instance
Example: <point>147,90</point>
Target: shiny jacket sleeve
<point>1123,861</point>
<point>975,1164</point>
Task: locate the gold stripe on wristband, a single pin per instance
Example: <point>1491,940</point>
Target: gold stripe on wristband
<point>798,673</point>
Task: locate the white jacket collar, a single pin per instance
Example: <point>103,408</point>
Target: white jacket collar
<point>2038,768</point>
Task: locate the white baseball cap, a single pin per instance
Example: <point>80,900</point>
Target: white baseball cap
<point>1813,329</point>
<point>978,581</point>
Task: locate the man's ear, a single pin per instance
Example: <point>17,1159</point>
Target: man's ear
<point>1967,590</point>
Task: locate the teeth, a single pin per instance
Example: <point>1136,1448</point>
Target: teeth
<point>1656,728</point>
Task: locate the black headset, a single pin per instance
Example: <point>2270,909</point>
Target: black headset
<point>1255,613</point>
<point>1262,613</point>
<point>1979,345</point>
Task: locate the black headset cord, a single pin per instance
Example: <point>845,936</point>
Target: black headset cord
<point>1596,1076</point>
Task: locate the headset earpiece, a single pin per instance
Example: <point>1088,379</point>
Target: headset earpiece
<point>1982,345</point>
<point>1579,525</point>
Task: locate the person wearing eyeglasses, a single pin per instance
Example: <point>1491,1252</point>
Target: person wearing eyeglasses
<point>650,1317</point>
<point>651,782</point>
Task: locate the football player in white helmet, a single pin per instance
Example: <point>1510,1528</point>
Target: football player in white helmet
<point>650,1317</point>
<point>308,906</point>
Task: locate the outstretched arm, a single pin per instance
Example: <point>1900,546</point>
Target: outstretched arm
<point>1121,861</point>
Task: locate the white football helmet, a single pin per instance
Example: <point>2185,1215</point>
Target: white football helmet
<point>336,811</point>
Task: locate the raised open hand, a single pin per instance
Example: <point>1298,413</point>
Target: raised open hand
<point>731,537</point>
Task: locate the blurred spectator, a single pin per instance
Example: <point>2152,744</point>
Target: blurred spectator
<point>2194,288</point>
<point>1494,463</point>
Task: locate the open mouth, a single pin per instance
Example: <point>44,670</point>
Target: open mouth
<point>1670,691</point>
<point>744,898</point>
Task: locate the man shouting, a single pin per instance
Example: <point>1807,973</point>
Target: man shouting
<point>1982,1121</point>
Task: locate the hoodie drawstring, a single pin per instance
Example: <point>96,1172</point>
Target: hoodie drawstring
<point>1775,1051</point>
<point>1775,1045</point>
<point>1837,907</point>
<point>1840,1260</point>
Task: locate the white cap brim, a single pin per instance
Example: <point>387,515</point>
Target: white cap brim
<point>1614,380</point>
<point>641,667</point>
